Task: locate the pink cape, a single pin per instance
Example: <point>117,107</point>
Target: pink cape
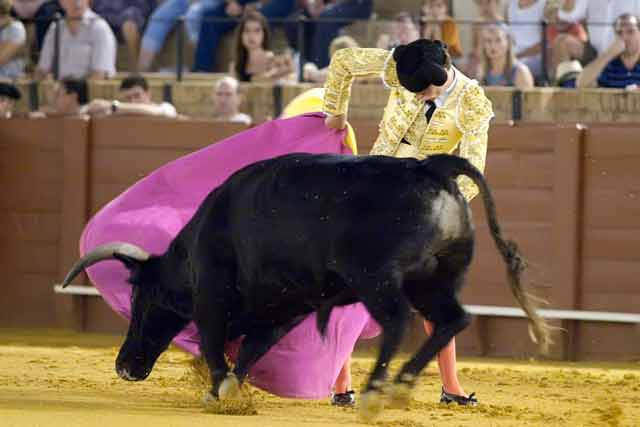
<point>152,212</point>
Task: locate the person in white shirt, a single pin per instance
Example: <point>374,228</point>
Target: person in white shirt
<point>599,16</point>
<point>134,100</point>
<point>87,45</point>
<point>226,102</point>
<point>525,19</point>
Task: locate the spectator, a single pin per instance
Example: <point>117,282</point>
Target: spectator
<point>403,31</point>
<point>619,65</point>
<point>211,31</point>
<point>253,60</point>
<point>40,11</point>
<point>488,12</point>
<point>327,19</point>
<point>9,95</point>
<point>556,28</point>
<point>226,102</point>
<point>438,25</point>
<point>164,18</point>
<point>311,73</point>
<point>69,99</point>
<point>600,16</point>
<point>135,100</point>
<point>87,45</point>
<point>12,38</point>
<point>126,18</point>
<point>524,17</point>
<point>500,67</point>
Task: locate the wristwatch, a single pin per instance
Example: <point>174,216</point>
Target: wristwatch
<point>114,106</point>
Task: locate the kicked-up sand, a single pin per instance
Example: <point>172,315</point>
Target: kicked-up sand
<point>54,378</point>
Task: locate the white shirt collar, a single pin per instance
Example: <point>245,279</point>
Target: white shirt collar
<point>443,98</point>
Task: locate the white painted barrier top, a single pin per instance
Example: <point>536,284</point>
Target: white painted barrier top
<point>477,310</point>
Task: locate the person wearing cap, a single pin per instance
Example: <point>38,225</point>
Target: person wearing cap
<point>433,108</point>
<point>9,94</point>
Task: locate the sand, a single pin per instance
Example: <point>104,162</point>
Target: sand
<point>54,378</point>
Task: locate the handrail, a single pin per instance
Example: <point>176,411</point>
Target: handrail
<point>477,310</point>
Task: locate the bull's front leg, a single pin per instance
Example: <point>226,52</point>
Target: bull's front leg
<point>211,314</point>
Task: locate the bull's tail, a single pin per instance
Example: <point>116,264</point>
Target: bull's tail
<point>452,166</point>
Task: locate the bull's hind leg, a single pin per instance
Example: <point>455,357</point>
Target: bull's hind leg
<point>449,318</point>
<point>388,306</point>
<point>211,316</point>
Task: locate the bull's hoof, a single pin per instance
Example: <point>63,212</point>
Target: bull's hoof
<point>399,396</point>
<point>229,388</point>
<point>371,405</point>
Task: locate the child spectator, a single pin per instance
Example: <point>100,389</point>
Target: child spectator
<point>403,31</point>
<point>619,65</point>
<point>87,45</point>
<point>559,28</point>
<point>526,18</point>
<point>254,61</point>
<point>9,95</point>
<point>126,18</point>
<point>500,67</point>
<point>438,25</point>
<point>12,38</point>
<point>70,98</point>
<point>311,73</point>
<point>135,100</point>
<point>226,102</point>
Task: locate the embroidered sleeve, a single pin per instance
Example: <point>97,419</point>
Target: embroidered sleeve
<point>346,64</point>
<point>474,112</point>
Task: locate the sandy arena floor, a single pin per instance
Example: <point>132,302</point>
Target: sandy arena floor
<point>52,378</point>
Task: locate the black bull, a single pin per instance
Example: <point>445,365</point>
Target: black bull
<point>299,233</point>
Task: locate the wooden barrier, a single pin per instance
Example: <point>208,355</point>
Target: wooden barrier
<point>566,194</point>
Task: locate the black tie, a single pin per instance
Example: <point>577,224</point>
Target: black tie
<point>431,107</point>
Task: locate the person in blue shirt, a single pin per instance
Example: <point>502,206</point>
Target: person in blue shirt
<point>619,65</point>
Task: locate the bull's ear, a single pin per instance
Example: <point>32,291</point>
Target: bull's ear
<point>132,264</point>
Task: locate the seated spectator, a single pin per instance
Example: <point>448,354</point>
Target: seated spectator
<point>403,31</point>
<point>12,37</point>
<point>87,45</point>
<point>226,102</point>
<point>599,16</point>
<point>70,98</point>
<point>619,65</point>
<point>567,73</point>
<point>438,25</point>
<point>9,95</point>
<point>134,99</point>
<point>488,12</point>
<point>254,61</point>
<point>41,12</point>
<point>212,29</point>
<point>500,67</point>
<point>127,19</point>
<point>311,73</point>
<point>163,20</point>
<point>524,15</point>
<point>327,19</point>
<point>556,28</point>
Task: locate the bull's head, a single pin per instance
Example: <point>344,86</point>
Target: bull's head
<point>158,311</point>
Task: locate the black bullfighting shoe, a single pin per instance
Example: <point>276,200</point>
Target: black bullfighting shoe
<point>347,399</point>
<point>460,400</point>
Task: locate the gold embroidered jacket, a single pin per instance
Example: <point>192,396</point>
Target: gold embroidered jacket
<point>461,123</point>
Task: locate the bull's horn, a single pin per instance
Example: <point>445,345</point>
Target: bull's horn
<point>102,253</point>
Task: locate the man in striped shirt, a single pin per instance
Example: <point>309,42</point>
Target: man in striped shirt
<point>618,66</point>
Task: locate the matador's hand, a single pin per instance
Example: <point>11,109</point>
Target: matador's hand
<point>336,122</point>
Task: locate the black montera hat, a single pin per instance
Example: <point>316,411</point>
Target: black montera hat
<point>421,64</point>
<point>10,91</point>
